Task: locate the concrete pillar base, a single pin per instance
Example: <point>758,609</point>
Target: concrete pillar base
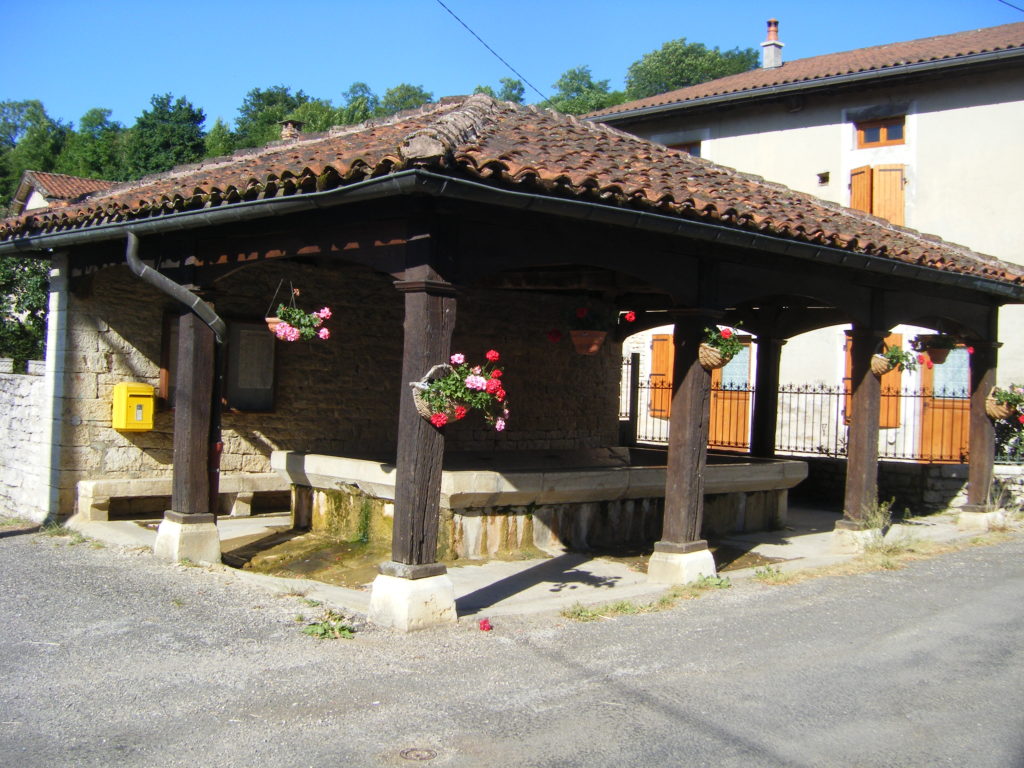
<point>981,521</point>
<point>680,567</point>
<point>853,542</point>
<point>188,537</point>
<point>411,604</point>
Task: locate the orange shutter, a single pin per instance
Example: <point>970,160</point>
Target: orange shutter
<point>861,188</point>
<point>887,193</point>
<point>663,351</point>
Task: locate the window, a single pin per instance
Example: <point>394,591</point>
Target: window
<point>690,148</point>
<point>880,133</point>
<point>879,190</point>
<point>248,370</point>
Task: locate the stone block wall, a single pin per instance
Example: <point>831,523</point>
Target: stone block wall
<point>338,396</point>
<point>23,418</point>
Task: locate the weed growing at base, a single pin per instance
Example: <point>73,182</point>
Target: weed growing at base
<point>329,626</point>
<point>673,595</point>
<point>769,574</point>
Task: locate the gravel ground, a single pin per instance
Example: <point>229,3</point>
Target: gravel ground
<point>111,657</point>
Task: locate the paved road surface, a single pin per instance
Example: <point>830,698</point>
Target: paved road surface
<point>110,658</point>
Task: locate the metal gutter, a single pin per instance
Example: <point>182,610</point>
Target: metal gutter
<point>787,89</point>
<point>423,182</point>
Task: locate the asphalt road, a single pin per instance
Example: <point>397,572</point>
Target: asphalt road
<point>110,658</point>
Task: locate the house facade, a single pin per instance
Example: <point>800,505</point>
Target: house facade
<point>924,134</point>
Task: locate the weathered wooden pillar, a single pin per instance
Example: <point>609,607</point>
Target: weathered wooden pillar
<point>189,529</point>
<point>982,445</point>
<point>766,396</point>
<point>413,590</point>
<point>682,555</point>
<point>862,448</point>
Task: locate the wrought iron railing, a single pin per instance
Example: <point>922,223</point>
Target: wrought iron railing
<point>921,425</point>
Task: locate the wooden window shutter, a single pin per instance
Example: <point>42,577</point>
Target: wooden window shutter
<point>887,193</point>
<point>861,188</point>
<point>889,409</point>
<point>663,352</point>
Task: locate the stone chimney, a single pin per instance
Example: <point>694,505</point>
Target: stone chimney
<point>291,129</point>
<point>771,49</point>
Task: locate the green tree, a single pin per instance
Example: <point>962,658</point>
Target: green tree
<point>30,141</point>
<point>23,299</point>
<point>678,64</point>
<point>576,93</point>
<point>96,149</point>
<point>403,96</point>
<point>360,105</point>
<point>219,141</point>
<point>262,111</point>
<point>316,115</point>
<point>511,90</point>
<point>167,135</point>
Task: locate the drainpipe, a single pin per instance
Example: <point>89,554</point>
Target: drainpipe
<point>56,362</point>
<point>205,313</point>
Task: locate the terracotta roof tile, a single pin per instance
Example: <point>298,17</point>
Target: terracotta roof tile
<point>59,186</point>
<point>512,147</point>
<point>876,58</point>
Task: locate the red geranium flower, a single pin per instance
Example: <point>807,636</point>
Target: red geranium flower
<point>500,395</point>
<point>460,412</point>
<point>726,333</point>
<point>1021,418</point>
<point>496,373</point>
<point>630,316</point>
<point>582,312</point>
<point>492,355</point>
<point>930,364</point>
<point>438,420</point>
<point>485,625</point>
<point>970,350</point>
<point>492,386</point>
<point>920,359</point>
<point>554,335</point>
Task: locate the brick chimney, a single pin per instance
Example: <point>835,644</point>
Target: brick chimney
<point>771,49</point>
<point>291,129</point>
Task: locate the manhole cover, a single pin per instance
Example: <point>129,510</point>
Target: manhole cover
<point>418,753</point>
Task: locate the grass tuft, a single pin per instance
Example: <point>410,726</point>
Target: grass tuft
<point>329,626</point>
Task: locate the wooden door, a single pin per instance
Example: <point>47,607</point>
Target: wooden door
<point>890,385</point>
<point>945,409</point>
<point>659,400</point>
<point>887,193</point>
<point>730,403</point>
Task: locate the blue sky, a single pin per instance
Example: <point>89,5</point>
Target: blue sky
<point>109,53</point>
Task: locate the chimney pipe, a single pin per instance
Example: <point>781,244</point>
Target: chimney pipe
<point>771,49</point>
<point>291,129</point>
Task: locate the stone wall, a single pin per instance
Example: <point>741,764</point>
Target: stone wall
<point>338,396</point>
<point>23,420</point>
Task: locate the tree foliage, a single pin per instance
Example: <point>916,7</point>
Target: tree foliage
<point>403,96</point>
<point>220,141</point>
<point>361,104</point>
<point>576,93</point>
<point>29,140</point>
<point>168,134</point>
<point>23,299</point>
<point>261,112</point>
<point>96,150</point>
<point>511,90</point>
<point>678,64</point>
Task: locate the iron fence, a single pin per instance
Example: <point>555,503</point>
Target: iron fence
<point>921,425</point>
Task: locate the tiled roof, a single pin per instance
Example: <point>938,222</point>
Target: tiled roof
<point>879,59</point>
<point>518,148</point>
<point>59,186</point>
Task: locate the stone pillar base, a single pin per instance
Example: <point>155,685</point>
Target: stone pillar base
<point>188,537</point>
<point>852,541</point>
<point>680,567</point>
<point>981,521</point>
<point>410,604</point>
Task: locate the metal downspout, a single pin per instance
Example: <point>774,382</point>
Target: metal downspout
<point>207,314</point>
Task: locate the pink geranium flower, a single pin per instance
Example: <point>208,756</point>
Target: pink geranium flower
<point>324,333</point>
<point>478,383</point>
<point>324,314</point>
<point>457,359</point>
<point>499,425</point>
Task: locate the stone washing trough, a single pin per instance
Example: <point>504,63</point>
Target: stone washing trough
<point>503,503</point>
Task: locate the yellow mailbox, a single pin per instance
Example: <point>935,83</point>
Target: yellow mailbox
<point>133,407</point>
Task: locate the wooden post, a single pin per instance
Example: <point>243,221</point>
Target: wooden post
<point>190,490</point>
<point>982,431</point>
<point>766,396</point>
<point>688,438</point>
<point>633,422</point>
<point>429,322</point>
<point>862,449</point>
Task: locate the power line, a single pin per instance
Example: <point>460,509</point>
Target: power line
<point>1012,6</point>
<point>495,53</point>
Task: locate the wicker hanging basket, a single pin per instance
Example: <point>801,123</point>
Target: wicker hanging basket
<point>711,358</point>
<point>881,365</point>
<point>418,387</point>
<point>272,323</point>
<point>587,342</point>
<point>997,410</point>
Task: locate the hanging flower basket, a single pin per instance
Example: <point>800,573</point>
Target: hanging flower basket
<point>272,323</point>
<point>421,386</point>
<point>711,358</point>
<point>997,410</point>
<point>936,346</point>
<point>588,342</point>
<point>881,365</point>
